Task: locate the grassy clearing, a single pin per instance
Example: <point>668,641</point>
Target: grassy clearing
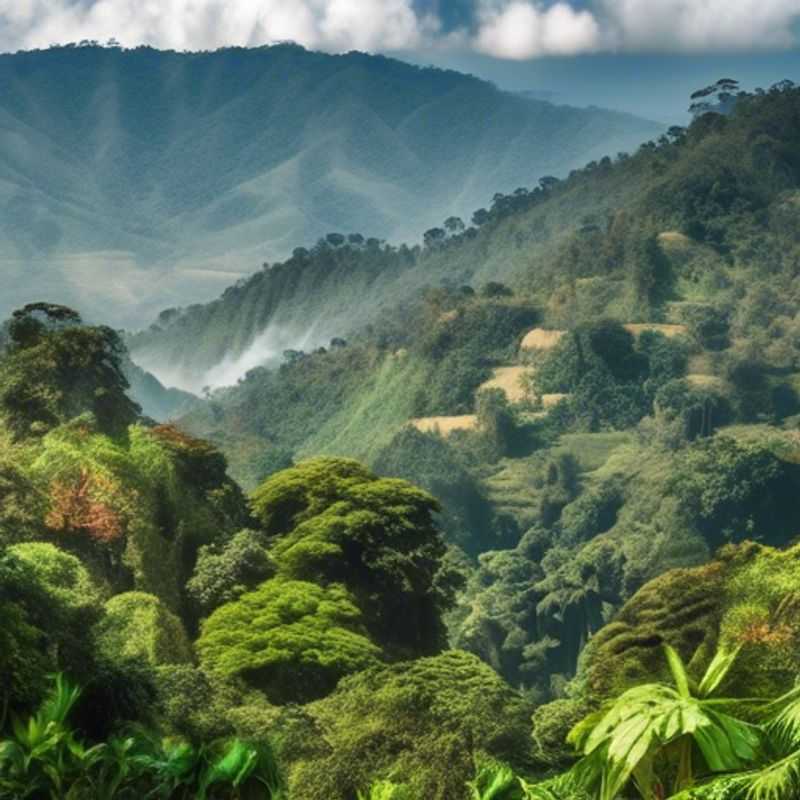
<point>670,331</point>
<point>541,339</point>
<point>593,450</point>
<point>446,425</point>
<point>361,428</point>
<point>511,381</point>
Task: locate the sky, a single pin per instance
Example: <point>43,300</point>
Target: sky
<point>642,56</point>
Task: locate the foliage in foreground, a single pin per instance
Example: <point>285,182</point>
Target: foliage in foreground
<point>45,758</point>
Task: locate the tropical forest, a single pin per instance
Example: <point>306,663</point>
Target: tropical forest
<point>507,511</point>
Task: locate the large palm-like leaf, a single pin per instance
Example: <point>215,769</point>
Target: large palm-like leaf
<point>494,781</point>
<point>622,742</point>
<point>779,780</point>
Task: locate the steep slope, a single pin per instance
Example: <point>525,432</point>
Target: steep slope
<point>178,172</point>
<point>632,239</point>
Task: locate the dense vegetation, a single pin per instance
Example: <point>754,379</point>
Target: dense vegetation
<point>563,567</point>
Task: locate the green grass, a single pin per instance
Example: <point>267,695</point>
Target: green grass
<point>592,450</point>
<point>362,427</point>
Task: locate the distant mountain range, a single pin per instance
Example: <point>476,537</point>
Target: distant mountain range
<point>135,180</point>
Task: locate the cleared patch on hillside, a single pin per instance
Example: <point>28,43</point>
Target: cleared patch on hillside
<point>593,450</point>
<point>670,331</point>
<point>541,339</point>
<point>552,400</point>
<point>704,381</point>
<point>510,380</point>
<point>674,239</point>
<point>444,426</point>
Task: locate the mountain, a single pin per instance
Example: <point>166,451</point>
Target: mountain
<point>599,383</point>
<point>576,506</point>
<point>134,180</point>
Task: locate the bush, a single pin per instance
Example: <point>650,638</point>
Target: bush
<point>225,572</point>
<point>422,722</point>
<point>291,639</point>
<point>139,626</point>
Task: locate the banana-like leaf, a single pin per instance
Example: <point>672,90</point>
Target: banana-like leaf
<point>678,670</point>
<point>717,671</point>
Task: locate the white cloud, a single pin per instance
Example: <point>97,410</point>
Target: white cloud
<point>682,25</point>
<point>336,25</point>
<point>522,30</point>
<point>512,29</point>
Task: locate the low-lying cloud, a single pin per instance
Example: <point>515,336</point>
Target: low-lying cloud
<point>508,29</point>
<point>266,350</point>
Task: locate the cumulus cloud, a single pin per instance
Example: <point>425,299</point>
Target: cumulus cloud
<point>336,25</point>
<point>699,25</point>
<point>522,30</point>
<point>529,28</point>
<point>511,29</point>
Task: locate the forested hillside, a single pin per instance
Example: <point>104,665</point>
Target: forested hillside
<point>131,180</point>
<point>625,402</point>
<point>630,237</point>
<point>528,533</point>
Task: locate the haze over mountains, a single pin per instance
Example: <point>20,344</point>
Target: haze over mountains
<point>135,180</point>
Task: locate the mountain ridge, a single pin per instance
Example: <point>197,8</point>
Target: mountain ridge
<point>185,170</point>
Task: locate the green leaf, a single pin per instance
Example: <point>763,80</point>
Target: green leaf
<point>678,670</point>
<point>717,671</point>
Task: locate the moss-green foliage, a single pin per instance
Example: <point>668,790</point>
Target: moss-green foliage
<point>61,576</point>
<point>747,599</point>
<point>737,490</point>
<point>430,462</point>
<point>22,503</point>
<point>136,508</point>
<point>292,639</point>
<point>138,626</point>
<point>419,723</point>
<point>26,649</point>
<point>56,368</point>
<point>225,571</point>
<point>334,521</point>
<point>681,608</point>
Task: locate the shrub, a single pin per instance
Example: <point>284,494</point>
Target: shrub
<point>291,639</point>
<point>225,572</point>
<point>139,626</point>
<point>422,722</point>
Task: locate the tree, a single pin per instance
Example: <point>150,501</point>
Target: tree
<point>736,490</point>
<point>454,225</point>
<point>138,626</point>
<point>335,239</point>
<point>630,740</point>
<point>57,368</point>
<point>292,639</point>
<point>434,236</point>
<point>332,521</point>
<point>423,722</point>
<point>225,572</point>
<point>480,217</point>
<point>496,289</point>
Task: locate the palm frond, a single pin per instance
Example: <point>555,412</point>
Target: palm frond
<point>678,670</point>
<point>717,671</point>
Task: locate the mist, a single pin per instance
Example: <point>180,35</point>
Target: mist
<point>266,350</point>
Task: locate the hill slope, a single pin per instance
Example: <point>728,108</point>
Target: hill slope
<point>179,172</point>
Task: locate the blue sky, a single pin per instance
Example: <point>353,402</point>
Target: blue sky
<point>643,56</point>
